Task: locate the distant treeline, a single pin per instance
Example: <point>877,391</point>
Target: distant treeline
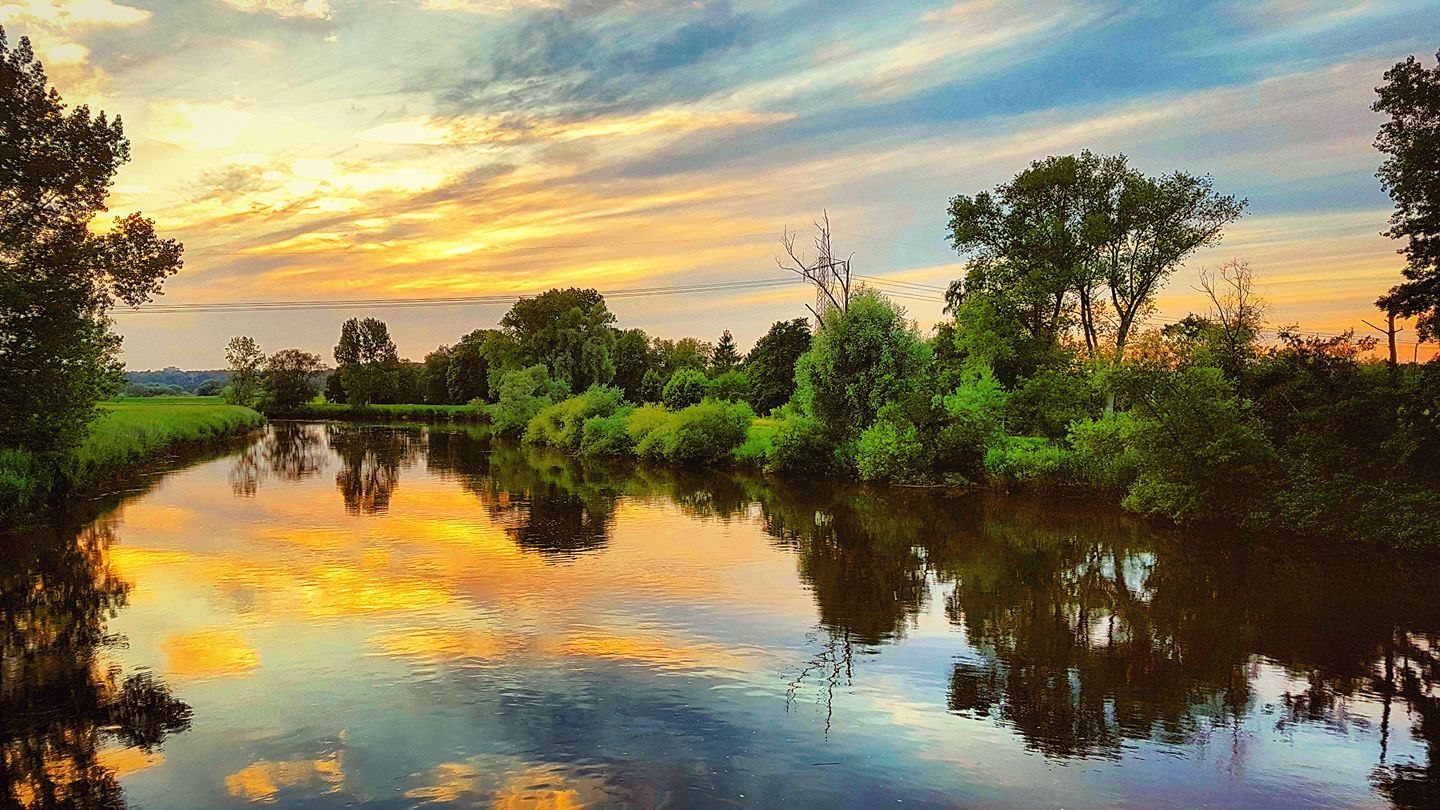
<point>172,381</point>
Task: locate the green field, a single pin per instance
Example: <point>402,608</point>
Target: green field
<point>126,432</point>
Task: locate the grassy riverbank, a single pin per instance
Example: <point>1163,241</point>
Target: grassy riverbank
<point>125,433</point>
<point>339,411</point>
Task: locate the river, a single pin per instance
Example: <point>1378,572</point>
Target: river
<point>342,614</point>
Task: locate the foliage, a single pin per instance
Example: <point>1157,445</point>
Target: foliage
<point>1202,452</point>
<point>926,437</point>
<point>58,277</point>
<point>770,365</point>
<point>435,376</point>
<point>289,380</point>
<point>725,357</point>
<point>1105,455</point>
<point>733,386</point>
<point>863,357</point>
<point>634,360</point>
<point>562,424</point>
<point>467,376</point>
<point>568,331</point>
<point>1047,403</point>
<point>759,444</point>
<point>707,433</point>
<point>1411,175</point>
<point>1031,462</point>
<point>607,435</point>
<point>387,412</point>
<point>152,390</point>
<point>800,446</point>
<point>245,359</point>
<point>642,423</point>
<point>365,360</point>
<point>687,386</point>
<point>211,388</point>
<point>1050,246</point>
<point>523,393</point>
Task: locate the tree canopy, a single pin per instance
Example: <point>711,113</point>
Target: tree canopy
<point>1411,175</point>
<point>58,277</point>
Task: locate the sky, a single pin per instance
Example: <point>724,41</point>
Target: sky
<point>307,150</point>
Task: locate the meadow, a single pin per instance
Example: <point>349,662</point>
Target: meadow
<point>125,432</point>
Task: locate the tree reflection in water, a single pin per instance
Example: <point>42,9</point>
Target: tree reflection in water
<point>59,705</point>
<point>1087,630</point>
<point>370,463</point>
<point>289,451</point>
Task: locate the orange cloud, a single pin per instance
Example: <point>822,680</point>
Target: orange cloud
<point>262,781</point>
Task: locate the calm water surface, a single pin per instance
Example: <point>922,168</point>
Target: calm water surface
<point>342,614</point>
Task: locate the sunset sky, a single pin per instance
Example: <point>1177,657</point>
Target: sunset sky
<point>363,149</point>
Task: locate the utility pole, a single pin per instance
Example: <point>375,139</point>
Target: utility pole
<point>1389,334</point>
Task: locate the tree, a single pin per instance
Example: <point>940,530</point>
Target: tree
<point>521,395</point>
<point>290,379</point>
<point>633,360</point>
<point>435,379</point>
<point>725,357</point>
<point>771,363</point>
<point>1152,227</point>
<point>365,359</point>
<point>1031,244</point>
<point>569,331</point>
<point>1236,313</point>
<point>862,358</point>
<point>245,359</point>
<point>58,278</point>
<point>1049,246</point>
<point>1411,176</point>
<point>686,387</point>
<point>469,372</point>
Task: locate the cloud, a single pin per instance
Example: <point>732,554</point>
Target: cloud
<point>193,125</point>
<point>514,129</point>
<point>486,6</point>
<point>290,9</point>
<point>55,27</point>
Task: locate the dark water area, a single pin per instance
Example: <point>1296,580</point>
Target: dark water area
<point>342,615</point>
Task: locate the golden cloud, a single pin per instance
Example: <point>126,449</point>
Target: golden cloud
<point>192,125</point>
<point>262,781</point>
<point>299,9</point>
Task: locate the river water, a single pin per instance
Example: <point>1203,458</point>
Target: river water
<point>344,614</point>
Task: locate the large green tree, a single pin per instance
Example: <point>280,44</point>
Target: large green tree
<point>568,331</point>
<point>289,380</point>
<point>469,372</point>
<point>1411,175</point>
<point>1072,237</point>
<point>771,363</point>
<point>863,358</point>
<point>58,277</point>
<point>366,361</point>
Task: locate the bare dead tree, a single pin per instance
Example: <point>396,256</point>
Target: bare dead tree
<point>829,276</point>
<point>1235,308</point>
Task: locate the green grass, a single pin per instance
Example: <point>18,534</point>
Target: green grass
<point>126,432</point>
<point>392,413</point>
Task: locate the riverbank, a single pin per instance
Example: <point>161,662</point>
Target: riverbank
<point>341,412</point>
<point>126,433</point>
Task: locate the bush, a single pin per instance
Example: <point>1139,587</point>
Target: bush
<point>523,393</point>
<point>607,435</point>
<point>800,446</point>
<point>686,387</point>
<point>707,433</point>
<point>1202,453</point>
<point>732,386</point>
<point>1104,450</point>
<point>1046,404</point>
<point>643,425</point>
<point>1030,462</point>
<point>891,450</point>
<point>759,444</point>
<point>23,480</point>
<point>561,424</point>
